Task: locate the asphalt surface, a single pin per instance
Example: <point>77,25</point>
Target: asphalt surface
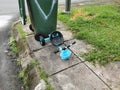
<point>8,68</point>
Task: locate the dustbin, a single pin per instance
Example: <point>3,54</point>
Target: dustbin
<point>22,11</point>
<point>43,16</point>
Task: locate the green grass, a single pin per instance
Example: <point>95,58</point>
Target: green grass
<point>20,30</point>
<point>13,45</point>
<point>99,26</point>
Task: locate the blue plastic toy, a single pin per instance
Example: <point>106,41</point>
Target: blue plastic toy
<point>65,54</point>
<point>56,38</point>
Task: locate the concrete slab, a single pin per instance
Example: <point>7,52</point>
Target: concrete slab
<point>51,62</point>
<point>110,73</point>
<point>33,44</point>
<point>78,77</point>
<point>67,35</point>
<point>61,26</point>
<point>63,29</point>
<point>80,47</point>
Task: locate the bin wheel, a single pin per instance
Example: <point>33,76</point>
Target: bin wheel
<point>56,38</point>
<point>37,37</point>
<point>42,41</point>
<point>40,38</point>
<point>31,27</point>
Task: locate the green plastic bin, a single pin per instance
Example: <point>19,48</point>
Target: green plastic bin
<point>22,11</point>
<point>43,16</point>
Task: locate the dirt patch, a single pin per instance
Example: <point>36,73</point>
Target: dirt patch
<point>77,14</point>
<point>84,14</point>
<point>90,16</point>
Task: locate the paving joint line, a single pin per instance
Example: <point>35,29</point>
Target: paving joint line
<point>83,61</point>
<point>98,76</point>
<point>40,48</point>
<point>65,69</point>
<point>92,70</point>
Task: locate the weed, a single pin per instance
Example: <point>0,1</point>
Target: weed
<point>20,30</point>
<point>28,19</point>
<point>18,62</point>
<point>13,45</point>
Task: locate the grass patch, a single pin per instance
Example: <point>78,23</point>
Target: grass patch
<point>28,20</point>
<point>22,43</point>
<point>99,26</point>
<point>13,45</point>
<point>18,61</point>
<point>20,30</point>
<point>17,32</point>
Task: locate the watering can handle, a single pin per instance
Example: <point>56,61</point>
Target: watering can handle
<point>66,47</point>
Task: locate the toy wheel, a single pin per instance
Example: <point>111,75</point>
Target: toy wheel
<point>31,27</point>
<point>56,38</point>
<point>42,41</point>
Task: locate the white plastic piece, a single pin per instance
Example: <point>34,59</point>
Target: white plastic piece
<point>41,85</point>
